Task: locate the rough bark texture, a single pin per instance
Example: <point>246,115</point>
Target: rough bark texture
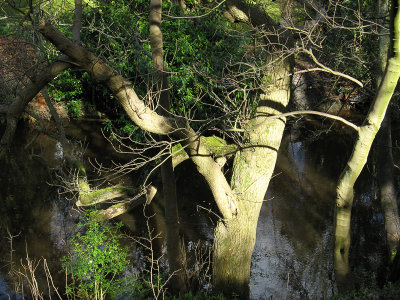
<point>174,244</point>
<point>252,171</point>
<point>76,28</point>
<point>366,135</point>
<point>234,239</point>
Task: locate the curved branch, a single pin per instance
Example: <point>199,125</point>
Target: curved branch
<point>42,78</point>
<point>146,118</point>
<point>302,112</point>
<point>329,70</point>
<point>313,112</point>
<point>198,16</point>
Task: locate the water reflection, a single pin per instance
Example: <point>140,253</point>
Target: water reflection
<point>292,256</point>
<point>293,251</point>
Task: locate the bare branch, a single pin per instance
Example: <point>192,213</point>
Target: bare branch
<point>302,112</point>
<point>146,118</point>
<point>198,16</point>
<point>329,70</point>
<point>43,76</point>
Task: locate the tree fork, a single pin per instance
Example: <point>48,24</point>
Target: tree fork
<point>147,119</point>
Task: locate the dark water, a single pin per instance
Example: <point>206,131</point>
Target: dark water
<point>293,252</point>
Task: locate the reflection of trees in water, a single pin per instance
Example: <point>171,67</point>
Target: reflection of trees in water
<point>368,242</point>
<point>303,196</point>
<point>284,266</point>
<point>21,182</point>
<point>302,208</point>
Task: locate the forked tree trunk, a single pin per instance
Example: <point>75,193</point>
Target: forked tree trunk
<point>253,167</point>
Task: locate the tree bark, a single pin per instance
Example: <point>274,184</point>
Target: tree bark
<point>234,239</point>
<point>76,28</point>
<point>174,244</point>
<point>253,167</point>
<point>387,187</point>
<point>366,135</point>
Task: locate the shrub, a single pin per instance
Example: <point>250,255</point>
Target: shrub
<point>96,259</point>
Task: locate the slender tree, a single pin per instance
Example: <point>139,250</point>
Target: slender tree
<point>355,164</point>
<point>174,247</point>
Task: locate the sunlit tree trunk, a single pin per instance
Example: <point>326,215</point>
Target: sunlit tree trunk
<point>252,171</point>
<point>366,135</point>
<point>254,164</point>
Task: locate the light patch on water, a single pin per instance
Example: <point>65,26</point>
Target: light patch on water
<point>298,155</point>
<point>6,292</point>
<point>59,153</point>
<point>62,222</point>
<point>277,269</point>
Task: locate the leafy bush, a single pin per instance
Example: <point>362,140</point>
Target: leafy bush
<point>68,88</point>
<point>96,259</point>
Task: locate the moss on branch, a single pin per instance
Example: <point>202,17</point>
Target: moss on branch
<point>91,197</point>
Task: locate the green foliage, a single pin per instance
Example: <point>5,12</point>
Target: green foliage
<point>75,108</point>
<point>198,296</point>
<point>389,291</point>
<point>96,259</point>
<point>68,88</point>
<point>196,52</point>
<point>107,125</point>
<point>124,127</point>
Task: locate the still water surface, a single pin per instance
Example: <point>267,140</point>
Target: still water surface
<point>293,252</point>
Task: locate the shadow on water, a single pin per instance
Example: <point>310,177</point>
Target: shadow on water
<point>41,220</point>
<point>293,252</point>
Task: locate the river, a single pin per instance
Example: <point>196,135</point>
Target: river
<point>292,258</point>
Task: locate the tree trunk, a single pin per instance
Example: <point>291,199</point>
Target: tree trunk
<point>253,167</point>
<point>76,28</point>
<point>366,135</point>
<point>254,164</point>
<point>174,246</point>
<point>387,186</point>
